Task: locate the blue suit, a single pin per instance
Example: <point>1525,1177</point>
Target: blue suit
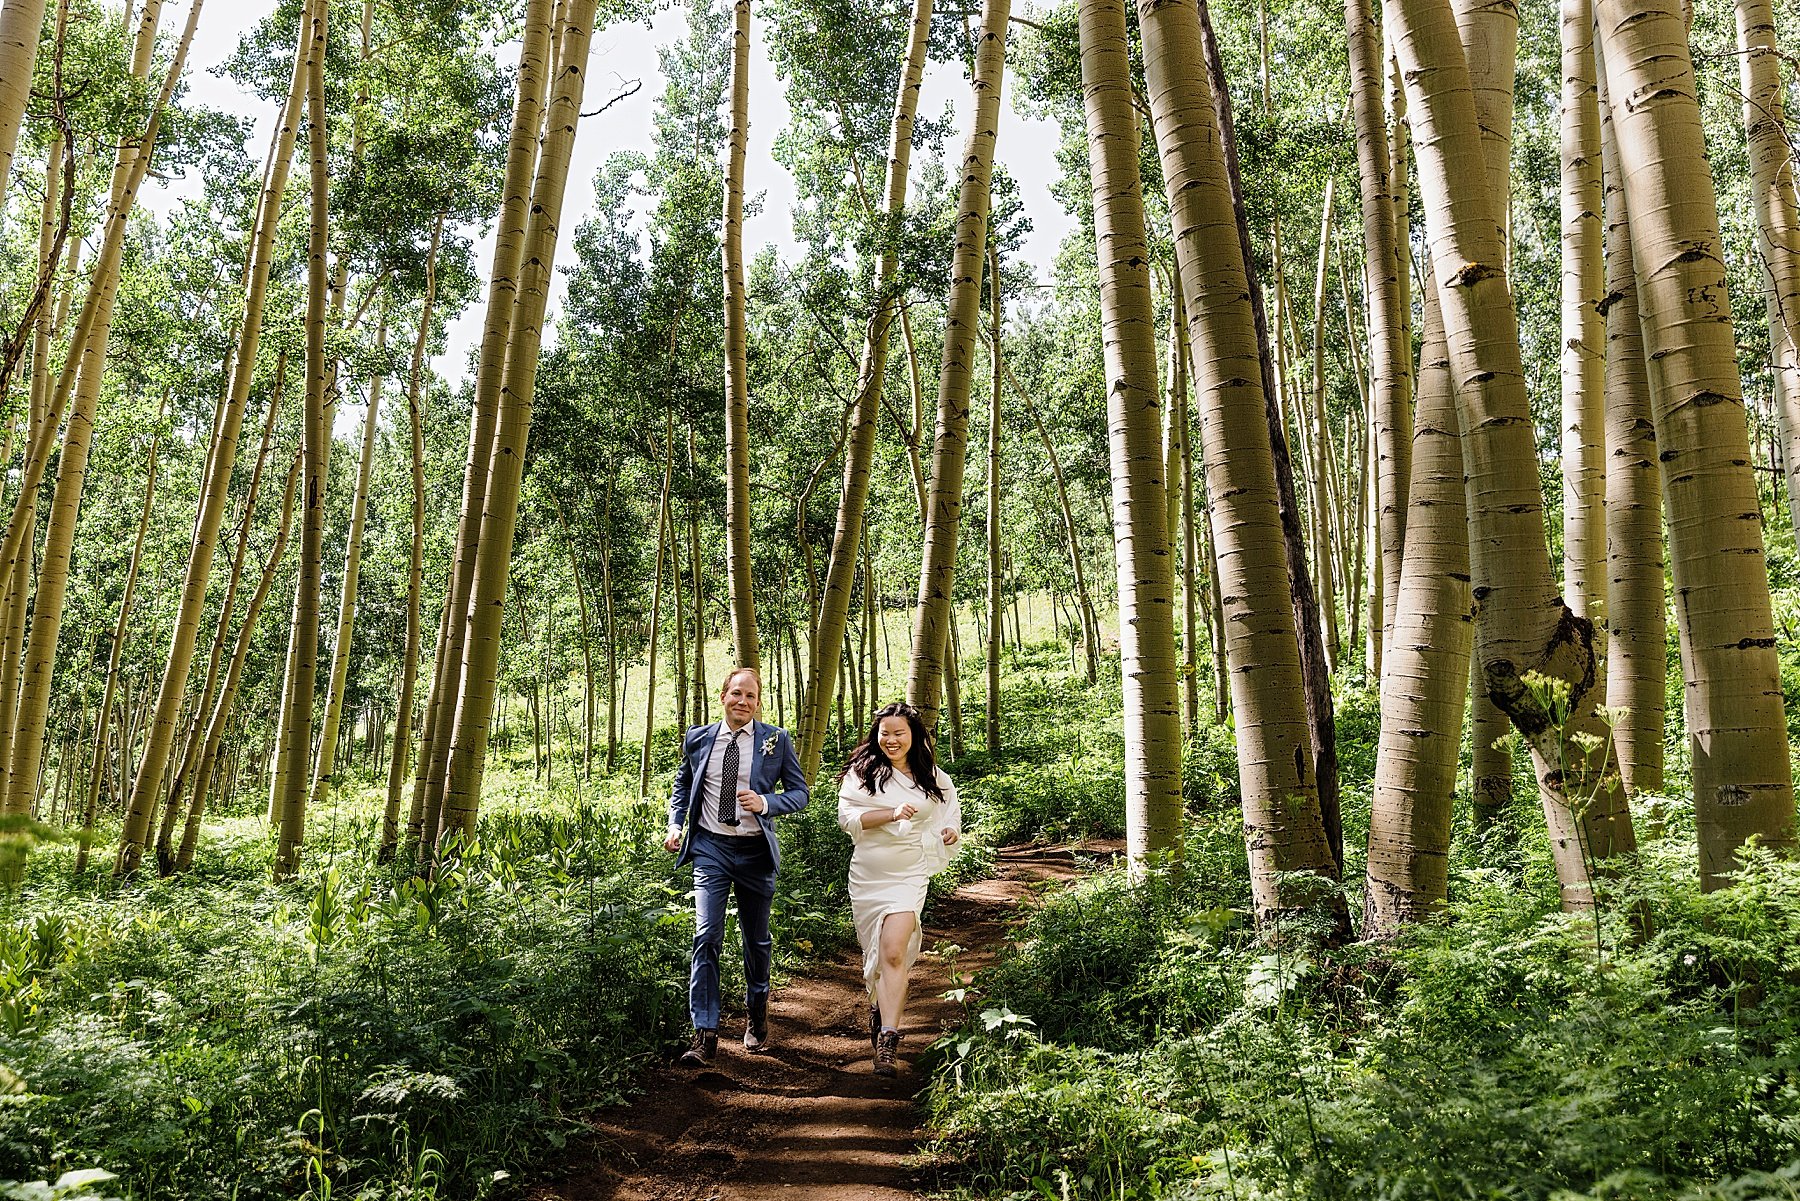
<point>749,863</point>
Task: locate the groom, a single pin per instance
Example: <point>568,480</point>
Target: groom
<point>719,820</point>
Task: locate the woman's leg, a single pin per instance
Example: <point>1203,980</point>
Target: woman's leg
<point>890,986</point>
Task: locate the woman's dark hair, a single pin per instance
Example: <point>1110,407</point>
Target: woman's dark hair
<point>869,763</point>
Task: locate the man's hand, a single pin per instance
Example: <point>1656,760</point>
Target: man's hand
<point>951,837</point>
<point>751,802</point>
<point>672,843</point>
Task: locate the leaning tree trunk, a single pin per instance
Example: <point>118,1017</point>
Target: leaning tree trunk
<point>97,764</point>
<point>234,673</point>
<point>1284,828</point>
<point>1426,662</point>
<point>1583,328</point>
<point>173,687</point>
<point>21,28</point>
<point>88,353</point>
<point>325,769</point>
<point>744,649</point>
<point>1315,675</point>
<point>1523,627</point>
<point>415,563</point>
<point>1737,731</point>
<point>1637,645</point>
<point>303,663</point>
<point>949,453</point>
<point>1772,192</point>
<point>859,452</point>
<point>503,288</point>
<point>1152,694</point>
<point>481,652</point>
<point>996,360</point>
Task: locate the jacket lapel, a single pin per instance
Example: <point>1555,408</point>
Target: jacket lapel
<point>698,787</point>
<point>757,783</point>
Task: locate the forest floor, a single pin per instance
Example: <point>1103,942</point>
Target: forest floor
<point>808,1119</point>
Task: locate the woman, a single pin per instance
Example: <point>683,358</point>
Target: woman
<point>901,811</point>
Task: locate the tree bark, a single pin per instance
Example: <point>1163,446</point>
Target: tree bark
<point>949,454</point>
<point>302,667</point>
<point>744,649</point>
<point>481,654</point>
<point>1737,731</point>
<point>1285,830</point>
<point>1525,633</point>
<point>1772,192</point>
<point>1583,328</point>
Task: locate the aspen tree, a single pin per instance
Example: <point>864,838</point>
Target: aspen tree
<point>1320,431</point>
<point>1772,194</point>
<point>1179,423</point>
<point>302,664</point>
<point>1425,663</point>
<point>996,361</point>
<point>1637,663</point>
<point>21,28</point>
<point>1321,719</point>
<point>1737,732</point>
<point>172,687</point>
<point>931,643</point>
<point>415,562</point>
<point>737,370</point>
<point>1284,827</point>
<point>87,355</point>
<point>97,762</point>
<point>1583,327</point>
<point>1390,347</point>
<point>1134,424</point>
<point>859,453</point>
<point>503,288</point>
<point>234,672</point>
<point>1525,634</point>
<point>481,651</point>
<point>325,769</point>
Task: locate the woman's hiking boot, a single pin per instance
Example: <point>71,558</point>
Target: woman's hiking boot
<point>887,1044</point>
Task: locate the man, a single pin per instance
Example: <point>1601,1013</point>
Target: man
<point>735,775</point>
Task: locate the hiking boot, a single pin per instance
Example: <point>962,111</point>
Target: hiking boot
<point>701,1048</point>
<point>887,1043</point>
<point>756,1027</point>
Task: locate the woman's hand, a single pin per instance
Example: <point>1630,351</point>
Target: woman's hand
<point>951,837</point>
<point>903,811</point>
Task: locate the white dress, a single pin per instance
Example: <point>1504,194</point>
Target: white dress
<point>894,861</point>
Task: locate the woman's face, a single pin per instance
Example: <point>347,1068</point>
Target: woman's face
<point>895,739</point>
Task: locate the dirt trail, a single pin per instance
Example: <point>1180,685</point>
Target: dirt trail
<point>808,1119</point>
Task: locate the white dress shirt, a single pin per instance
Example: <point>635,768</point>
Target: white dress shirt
<point>708,800</point>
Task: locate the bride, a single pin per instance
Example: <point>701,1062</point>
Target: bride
<point>901,811</point>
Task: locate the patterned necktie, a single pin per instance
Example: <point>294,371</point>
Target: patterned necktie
<point>728,784</point>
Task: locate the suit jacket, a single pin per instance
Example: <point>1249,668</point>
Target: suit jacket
<point>776,775</point>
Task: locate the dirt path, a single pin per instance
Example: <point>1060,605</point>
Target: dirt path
<point>808,1119</point>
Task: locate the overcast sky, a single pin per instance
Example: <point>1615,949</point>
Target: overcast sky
<point>620,54</point>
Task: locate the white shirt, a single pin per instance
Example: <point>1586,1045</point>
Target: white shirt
<point>708,800</point>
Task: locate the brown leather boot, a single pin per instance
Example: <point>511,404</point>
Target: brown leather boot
<point>756,1027</point>
<point>887,1044</point>
<point>701,1048</point>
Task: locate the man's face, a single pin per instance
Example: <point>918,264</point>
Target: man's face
<point>741,698</point>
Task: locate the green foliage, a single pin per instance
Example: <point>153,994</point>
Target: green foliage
<point>359,1030</point>
<point>1494,1053</point>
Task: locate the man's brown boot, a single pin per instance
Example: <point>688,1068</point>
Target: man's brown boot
<point>887,1044</point>
<point>701,1048</point>
<point>756,1027</point>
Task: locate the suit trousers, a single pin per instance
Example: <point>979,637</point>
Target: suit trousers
<point>720,864</point>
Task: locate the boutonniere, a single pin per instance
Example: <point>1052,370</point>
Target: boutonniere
<point>768,746</point>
